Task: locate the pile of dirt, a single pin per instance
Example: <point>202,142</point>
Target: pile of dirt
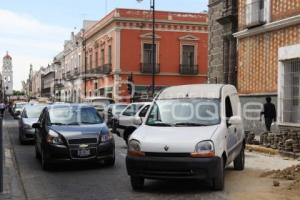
<point>291,173</point>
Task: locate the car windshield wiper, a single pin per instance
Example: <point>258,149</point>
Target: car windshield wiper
<point>189,124</point>
<point>90,122</point>
<point>73,123</point>
<point>57,123</point>
<point>160,124</point>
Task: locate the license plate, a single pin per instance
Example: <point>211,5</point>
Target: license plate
<point>83,152</point>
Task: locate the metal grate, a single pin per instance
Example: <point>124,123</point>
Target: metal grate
<point>291,91</point>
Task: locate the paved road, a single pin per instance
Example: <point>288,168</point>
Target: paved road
<point>86,181</point>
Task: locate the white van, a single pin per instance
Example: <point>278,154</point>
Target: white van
<point>190,131</point>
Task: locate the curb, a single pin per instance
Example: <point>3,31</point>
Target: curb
<point>13,185</point>
<point>261,149</point>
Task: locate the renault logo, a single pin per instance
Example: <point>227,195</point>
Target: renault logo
<point>166,148</point>
<point>83,145</point>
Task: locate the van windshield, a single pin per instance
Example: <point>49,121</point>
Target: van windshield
<point>184,112</point>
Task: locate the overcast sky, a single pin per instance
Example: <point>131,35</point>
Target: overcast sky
<point>33,31</point>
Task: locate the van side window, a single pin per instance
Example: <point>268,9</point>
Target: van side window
<point>144,111</point>
<point>228,108</point>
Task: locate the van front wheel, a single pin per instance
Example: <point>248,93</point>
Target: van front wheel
<point>239,162</point>
<point>218,182</point>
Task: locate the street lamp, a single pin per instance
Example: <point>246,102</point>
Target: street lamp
<point>152,6</point>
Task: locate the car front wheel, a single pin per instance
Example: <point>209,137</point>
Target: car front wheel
<point>137,183</point>
<point>44,161</point>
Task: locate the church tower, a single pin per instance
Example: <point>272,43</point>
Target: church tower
<point>7,74</point>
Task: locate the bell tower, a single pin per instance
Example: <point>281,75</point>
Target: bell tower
<point>7,74</point>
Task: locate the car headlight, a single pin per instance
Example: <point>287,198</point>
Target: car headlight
<point>54,138</point>
<point>204,149</point>
<point>134,149</point>
<point>106,137</point>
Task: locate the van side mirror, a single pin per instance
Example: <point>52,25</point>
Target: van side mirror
<point>36,125</point>
<point>138,121</point>
<point>18,113</point>
<point>235,120</point>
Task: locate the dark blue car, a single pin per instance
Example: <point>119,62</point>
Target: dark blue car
<point>72,132</point>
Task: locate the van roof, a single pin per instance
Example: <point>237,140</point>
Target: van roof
<point>211,91</point>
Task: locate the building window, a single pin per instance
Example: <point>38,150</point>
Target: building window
<point>96,89</point>
<point>109,55</point>
<point>102,56</point>
<point>257,12</point>
<point>291,91</point>
<point>96,58</point>
<point>188,60</point>
<point>148,53</point>
<point>91,60</point>
<point>147,58</point>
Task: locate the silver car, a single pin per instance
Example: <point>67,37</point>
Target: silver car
<point>29,116</point>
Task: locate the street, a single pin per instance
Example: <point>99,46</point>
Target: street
<point>87,181</point>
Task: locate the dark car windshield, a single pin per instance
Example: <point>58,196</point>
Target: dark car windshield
<point>33,111</point>
<point>69,115</point>
<point>184,112</point>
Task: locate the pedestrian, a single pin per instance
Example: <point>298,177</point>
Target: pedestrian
<point>269,113</point>
<point>2,108</point>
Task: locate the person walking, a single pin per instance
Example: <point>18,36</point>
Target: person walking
<point>269,113</point>
<point>2,108</point>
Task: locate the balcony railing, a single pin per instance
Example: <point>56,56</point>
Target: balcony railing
<point>188,69</point>
<point>147,68</point>
<point>68,75</point>
<point>76,71</point>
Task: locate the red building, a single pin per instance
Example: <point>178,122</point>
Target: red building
<point>119,47</point>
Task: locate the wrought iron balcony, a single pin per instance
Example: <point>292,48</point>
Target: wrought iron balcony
<point>188,69</point>
<point>229,14</point>
<point>147,68</point>
<point>58,83</point>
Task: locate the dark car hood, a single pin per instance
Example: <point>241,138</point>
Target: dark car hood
<point>81,131</point>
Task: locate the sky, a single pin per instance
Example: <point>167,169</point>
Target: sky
<point>33,31</point>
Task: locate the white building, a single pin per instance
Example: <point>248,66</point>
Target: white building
<point>7,74</point>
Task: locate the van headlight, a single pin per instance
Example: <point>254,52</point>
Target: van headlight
<point>134,149</point>
<point>54,138</point>
<point>204,149</point>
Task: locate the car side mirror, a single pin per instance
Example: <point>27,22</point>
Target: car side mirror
<point>36,125</point>
<point>235,120</point>
<point>138,121</point>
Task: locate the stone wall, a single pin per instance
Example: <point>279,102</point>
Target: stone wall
<point>215,44</point>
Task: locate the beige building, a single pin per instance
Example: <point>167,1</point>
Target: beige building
<point>268,55</point>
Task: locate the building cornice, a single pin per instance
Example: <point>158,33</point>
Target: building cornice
<point>273,26</point>
<point>95,29</point>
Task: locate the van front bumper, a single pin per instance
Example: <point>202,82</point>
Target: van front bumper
<point>173,167</point>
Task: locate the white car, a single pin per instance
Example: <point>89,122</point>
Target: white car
<point>130,118</point>
<point>190,131</point>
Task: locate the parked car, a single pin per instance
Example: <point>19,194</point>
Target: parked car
<point>28,117</point>
<point>126,122</point>
<point>99,103</point>
<point>17,109</point>
<point>191,131</point>
<point>73,132</point>
<point>112,111</point>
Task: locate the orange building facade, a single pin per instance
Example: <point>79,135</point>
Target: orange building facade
<point>118,49</point>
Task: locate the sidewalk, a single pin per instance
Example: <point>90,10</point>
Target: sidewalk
<point>13,189</point>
